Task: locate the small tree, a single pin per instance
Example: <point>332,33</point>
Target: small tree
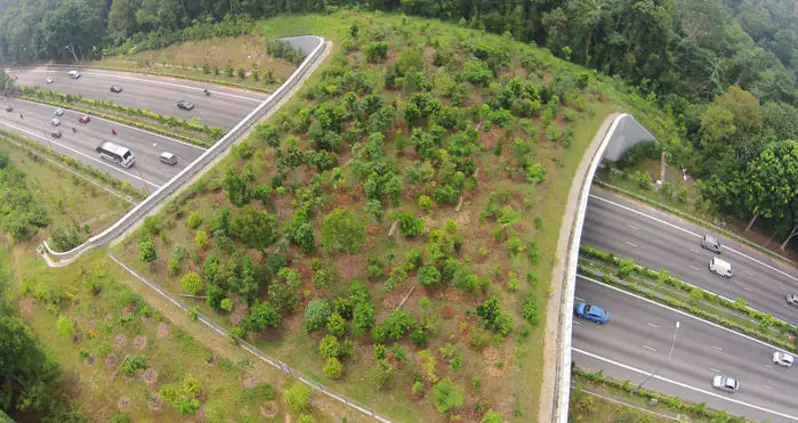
<point>227,305</point>
<point>342,230</point>
<point>447,396</point>
<point>429,276</point>
<point>336,325</point>
<point>297,397</point>
<point>147,251</point>
<point>201,240</point>
<point>194,220</point>
<point>333,369</point>
<point>192,283</point>
<point>316,314</point>
<point>65,326</point>
<point>492,417</point>
<point>329,347</point>
<point>262,316</point>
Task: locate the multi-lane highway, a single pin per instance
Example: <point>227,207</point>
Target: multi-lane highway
<point>637,342</point>
<point>225,107</point>
<point>145,146</point>
<point>660,241</point>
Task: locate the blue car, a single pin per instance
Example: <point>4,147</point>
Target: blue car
<point>591,312</point>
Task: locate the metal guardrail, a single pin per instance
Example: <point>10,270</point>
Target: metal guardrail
<point>563,383</point>
<point>277,364</point>
<point>154,200</point>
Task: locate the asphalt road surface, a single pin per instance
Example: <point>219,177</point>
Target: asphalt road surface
<point>224,108</point>
<point>661,241</point>
<point>145,146</point>
<point>636,343</point>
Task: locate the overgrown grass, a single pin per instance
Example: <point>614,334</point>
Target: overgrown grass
<point>201,60</point>
<point>504,376</point>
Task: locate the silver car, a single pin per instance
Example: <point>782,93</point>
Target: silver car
<point>58,112</point>
<point>711,243</point>
<point>792,299</point>
<point>725,383</point>
<point>55,122</point>
<point>783,359</point>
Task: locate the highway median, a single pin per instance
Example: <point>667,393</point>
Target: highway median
<point>659,286</point>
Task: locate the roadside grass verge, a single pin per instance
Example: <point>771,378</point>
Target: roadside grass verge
<point>663,288</point>
<point>124,355</point>
<point>192,131</point>
<point>493,371</point>
<point>214,60</point>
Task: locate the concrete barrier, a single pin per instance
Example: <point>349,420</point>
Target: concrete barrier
<point>151,203</point>
<point>565,317</point>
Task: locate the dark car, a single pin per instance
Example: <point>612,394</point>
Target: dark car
<point>116,89</point>
<point>185,105</point>
<point>9,108</point>
<point>711,243</point>
<point>56,134</point>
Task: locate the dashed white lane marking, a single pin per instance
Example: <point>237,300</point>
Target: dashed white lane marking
<point>649,348</point>
<point>747,288</point>
<point>768,366</point>
<point>695,268</point>
<point>695,251</point>
<point>577,298</point>
<point>717,348</point>
<point>653,325</point>
<point>748,273</point>
<point>714,370</point>
<point>630,244</point>
<point>632,227</point>
<point>768,387</point>
<point>576,322</point>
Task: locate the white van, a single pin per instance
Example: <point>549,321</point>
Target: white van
<point>720,267</point>
<point>74,74</point>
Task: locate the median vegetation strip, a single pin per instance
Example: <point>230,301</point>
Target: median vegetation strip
<point>192,131</point>
<point>658,285</point>
<point>586,406</point>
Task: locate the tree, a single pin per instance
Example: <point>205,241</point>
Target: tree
<point>262,316</point>
<point>237,187</point>
<point>316,315</point>
<point>282,292</point>
<point>330,347</point>
<point>342,230</point>
<point>492,417</point>
<point>429,276</point>
<point>201,239</point>
<point>447,396</point>
<point>147,251</point>
<point>336,325</point>
<point>256,229</point>
<point>297,396</point>
<point>194,220</point>
<point>192,283</point>
<point>333,369</point>
<point>65,326</point>
<point>770,182</point>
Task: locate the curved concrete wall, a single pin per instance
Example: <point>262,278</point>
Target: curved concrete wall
<point>622,133</point>
<point>153,201</point>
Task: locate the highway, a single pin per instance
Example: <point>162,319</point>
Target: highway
<point>224,108</point>
<point>661,241</point>
<point>146,147</point>
<point>636,343</point>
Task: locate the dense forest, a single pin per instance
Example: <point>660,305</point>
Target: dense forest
<point>725,69</point>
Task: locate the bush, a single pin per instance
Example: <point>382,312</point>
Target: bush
<point>192,283</point>
<point>363,318</point>
<point>447,396</point>
<point>382,374</point>
<point>342,230</point>
<point>227,305</point>
<point>336,325</point>
<point>316,315</point>
<point>333,369</point>
<point>493,417</point>
<point>329,347</point>
<point>396,325</point>
<point>147,252</point>
<point>643,180</point>
<point>530,309</point>
<point>425,202</point>
<point>201,240</point>
<point>297,397</point>
<point>478,338</point>
<point>409,225</point>
<point>429,276</point>
<point>261,316</point>
<point>65,326</point>
<point>194,220</point>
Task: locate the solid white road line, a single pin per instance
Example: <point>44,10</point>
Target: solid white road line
<point>121,124</point>
<point>684,385</point>
<point>683,313</point>
<point>630,244</point>
<point>578,299</point>
<point>687,231</point>
<point>106,164</point>
<point>170,84</point>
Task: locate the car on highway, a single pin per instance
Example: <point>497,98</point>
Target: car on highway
<point>49,80</point>
<point>74,74</point>
<point>84,119</point>
<point>116,89</point>
<point>792,299</point>
<point>591,312</point>
<point>59,112</point>
<point>9,108</point>
<point>720,267</point>
<point>725,383</point>
<point>783,359</point>
<point>185,105</point>
<point>168,158</point>
<point>55,122</point>
<point>711,243</point>
<point>56,133</point>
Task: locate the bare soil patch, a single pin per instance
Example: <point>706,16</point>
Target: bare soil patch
<point>149,376</point>
<point>123,404</point>
<point>140,342</point>
<point>120,341</point>
<point>111,360</point>
<point>163,331</point>
<point>270,410</point>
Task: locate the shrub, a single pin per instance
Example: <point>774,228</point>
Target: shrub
<point>297,397</point>
<point>194,220</point>
<point>65,326</point>
<point>329,347</point>
<point>201,240</point>
<point>396,325</point>
<point>262,316</point>
<point>316,315</point>
<point>530,309</point>
<point>418,386</point>
<point>478,338</point>
<point>133,364</point>
<point>425,202</point>
<point>192,283</point>
<point>643,180</point>
<point>147,251</point>
<point>447,396</point>
<point>336,325</point>
<point>333,369</point>
<point>342,230</point>
<point>227,305</point>
<point>409,225</point>
<point>382,374</point>
<point>363,318</point>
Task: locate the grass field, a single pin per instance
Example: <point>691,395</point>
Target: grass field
<point>187,60</point>
<point>497,372</point>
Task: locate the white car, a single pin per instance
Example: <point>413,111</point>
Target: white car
<point>783,359</point>
<point>59,112</point>
<point>725,383</point>
<point>721,267</point>
<point>55,122</point>
<point>49,80</point>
